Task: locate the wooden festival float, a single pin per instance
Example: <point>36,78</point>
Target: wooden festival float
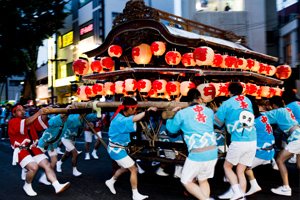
<point>158,64</point>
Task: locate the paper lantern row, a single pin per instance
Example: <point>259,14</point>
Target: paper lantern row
<point>171,90</point>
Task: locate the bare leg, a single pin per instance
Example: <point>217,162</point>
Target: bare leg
<point>87,147</point>
<point>75,157</point>
<point>32,168</point>
<point>195,190</point>
<point>97,144</point>
<point>48,170</point>
<point>240,170</point>
<point>205,188</point>
<point>250,175</point>
<point>133,176</point>
<point>53,161</point>
<point>283,156</point>
<point>119,172</point>
<point>230,175</point>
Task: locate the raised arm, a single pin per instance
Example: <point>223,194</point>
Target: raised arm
<point>140,116</point>
<point>42,112</point>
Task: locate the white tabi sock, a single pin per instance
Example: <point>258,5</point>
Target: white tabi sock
<point>43,179</point>
<point>137,196</point>
<point>87,156</point>
<point>28,189</point>
<point>254,187</point>
<point>94,154</point>
<point>60,187</point>
<point>76,172</point>
<point>110,184</point>
<point>238,193</point>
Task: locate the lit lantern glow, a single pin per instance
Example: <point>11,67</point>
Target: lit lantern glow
<point>218,60</point>
<point>81,93</point>
<point>173,57</point>
<point>245,88</point>
<point>262,68</point>
<point>270,70</point>
<point>250,64</point>
<point>258,93</point>
<point>89,91</point>
<point>159,87</point>
<point>185,87</point>
<point>173,89</point>
<point>107,63</point>
<point>223,89</point>
<point>217,86</point>
<point>144,86</point>
<point>242,63</point>
<point>252,89</point>
<point>119,87</point>
<point>96,66</point>
<point>141,54</point>
<point>227,62</point>
<point>265,91</point>
<point>283,71</point>
<point>272,92</point>
<point>115,51</point>
<point>109,88</point>
<point>130,85</point>
<point>188,60</point>
<point>256,66</point>
<point>278,92</point>
<point>208,91</point>
<point>158,48</point>
<point>98,89</point>
<point>234,61</point>
<point>166,96</point>
<point>204,55</point>
<point>152,94</point>
<point>81,66</point>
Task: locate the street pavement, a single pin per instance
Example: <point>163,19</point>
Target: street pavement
<point>91,185</point>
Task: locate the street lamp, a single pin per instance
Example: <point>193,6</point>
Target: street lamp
<point>52,76</point>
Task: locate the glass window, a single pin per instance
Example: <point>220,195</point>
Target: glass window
<point>220,5</point>
<point>70,71</point>
<point>83,2</point>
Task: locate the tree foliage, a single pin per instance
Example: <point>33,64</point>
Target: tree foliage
<point>24,24</point>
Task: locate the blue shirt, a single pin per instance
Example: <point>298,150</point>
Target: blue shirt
<point>196,122</point>
<point>285,120</point>
<point>265,138</point>
<point>119,133</point>
<point>229,113</point>
<point>295,108</point>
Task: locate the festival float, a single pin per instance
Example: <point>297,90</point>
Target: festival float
<point>158,64</point>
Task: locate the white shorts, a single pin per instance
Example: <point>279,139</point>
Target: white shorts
<point>200,170</point>
<point>241,152</point>
<point>126,162</point>
<point>50,153</point>
<point>28,159</point>
<point>257,162</point>
<point>293,147</point>
<point>69,144</point>
<point>88,136</point>
<point>169,153</point>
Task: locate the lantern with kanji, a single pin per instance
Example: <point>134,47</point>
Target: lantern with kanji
<point>81,66</point>
<point>152,94</point>
<point>258,93</point>
<point>81,93</point>
<point>141,54</point>
<point>228,62</point>
<point>256,66</point>
<point>109,88</point>
<point>270,70</point>
<point>173,58</point>
<point>107,63</point>
<point>218,60</point>
<point>159,87</point>
<point>250,64</point>
<point>188,60</point>
<point>252,89</point>
<point>245,88</point>
<point>234,61</point>
<point>173,89</point>
<point>283,71</point>
<point>222,89</point>
<point>98,88</point>
<point>242,63</point>
<point>278,91</point>
<point>185,87</point>
<point>96,66</point>
<point>130,85</point>
<point>204,55</point>
<point>120,87</point>
<point>208,91</point>
<point>265,91</point>
<point>89,91</point>
<point>272,92</point>
<point>262,68</point>
<point>158,48</point>
<point>115,51</point>
<point>144,86</point>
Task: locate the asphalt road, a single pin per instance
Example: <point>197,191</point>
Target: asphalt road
<point>91,184</point>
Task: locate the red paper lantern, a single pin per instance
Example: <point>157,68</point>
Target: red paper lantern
<point>258,93</point>
<point>144,86</point>
<point>120,87</point>
<point>81,93</point>
<point>109,88</point>
<point>278,92</point>
<point>250,64</point>
<point>159,87</point>
<point>130,85</point>
<point>188,60</point>
<point>152,94</point>
<point>245,88</point>
<point>158,48</point>
<point>185,87</point>
<point>142,54</point>
<point>96,66</point>
<point>81,66</point>
<point>228,62</point>
<point>272,92</point>
<point>173,57</point>
<point>270,70</point>
<point>218,60</point>
<point>89,91</point>
<point>265,91</point>
<point>204,55</point>
<point>262,68</point>
<point>222,89</point>
<point>208,91</point>
<point>115,51</point>
<point>107,63</point>
<point>242,63</point>
<point>98,89</point>
<point>252,89</point>
<point>173,88</point>
<point>234,62</point>
<point>283,71</point>
<point>256,66</point>
<point>166,96</point>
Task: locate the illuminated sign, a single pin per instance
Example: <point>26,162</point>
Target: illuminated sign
<point>86,29</point>
<point>67,39</point>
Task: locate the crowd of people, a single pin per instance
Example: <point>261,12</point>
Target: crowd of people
<point>249,125</point>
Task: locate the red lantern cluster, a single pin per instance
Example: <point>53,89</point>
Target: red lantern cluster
<point>81,66</point>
